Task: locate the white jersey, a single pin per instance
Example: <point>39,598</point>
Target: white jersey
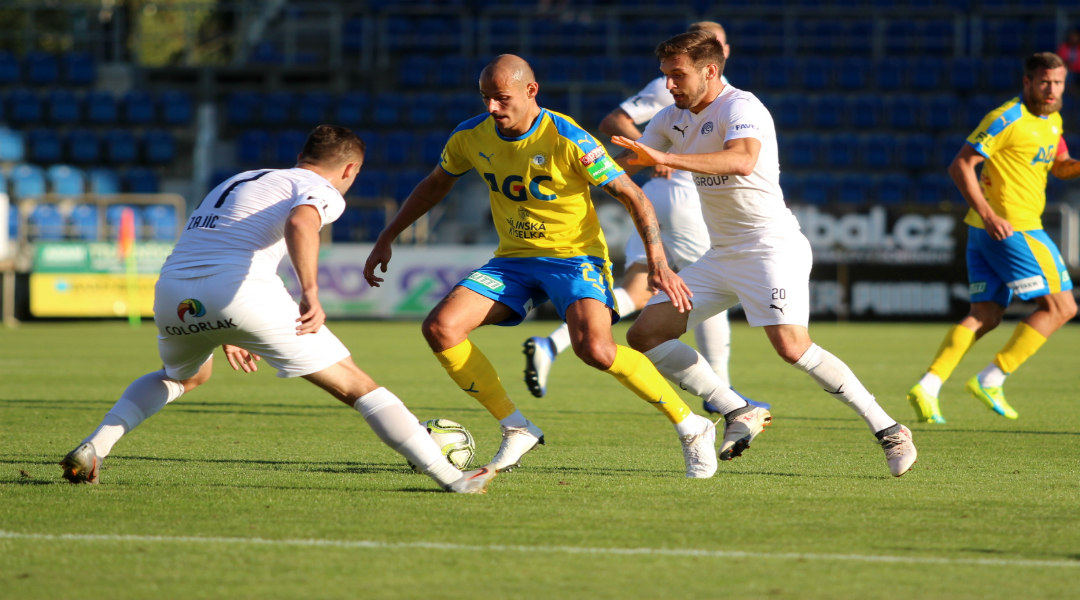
<point>240,225</point>
<point>644,105</point>
<point>735,207</point>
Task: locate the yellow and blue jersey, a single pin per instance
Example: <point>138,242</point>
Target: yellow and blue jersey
<point>539,183</point>
<point>1020,148</point>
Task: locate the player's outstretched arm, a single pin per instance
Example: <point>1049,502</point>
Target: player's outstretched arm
<point>302,240</point>
<point>739,157</point>
<point>429,192</point>
<point>661,277</point>
<point>1065,166</point>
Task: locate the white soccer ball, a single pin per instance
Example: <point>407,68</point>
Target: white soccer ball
<point>455,442</point>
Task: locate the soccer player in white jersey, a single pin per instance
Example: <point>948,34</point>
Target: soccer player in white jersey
<point>678,210</point>
<point>727,139</point>
<point>220,287</point>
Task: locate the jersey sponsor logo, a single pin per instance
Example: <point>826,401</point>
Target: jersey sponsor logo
<point>539,160</point>
<point>1045,155</point>
<point>682,131</point>
<point>599,169</point>
<point>708,127</point>
<point>513,187</point>
<point>1027,284</point>
<point>486,281</point>
<point>191,307</point>
<point>976,287</point>
<point>709,180</point>
<point>486,157</point>
<point>200,327</point>
<point>592,156</point>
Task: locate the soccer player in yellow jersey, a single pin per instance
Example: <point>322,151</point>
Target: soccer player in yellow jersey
<point>1008,253</point>
<point>539,166</point>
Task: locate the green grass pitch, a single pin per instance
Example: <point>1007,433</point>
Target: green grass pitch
<point>255,487</point>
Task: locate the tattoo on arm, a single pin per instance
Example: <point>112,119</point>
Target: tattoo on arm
<point>641,210</point>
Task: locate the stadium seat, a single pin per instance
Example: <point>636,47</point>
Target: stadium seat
<point>927,74</point>
<point>352,35</point>
<point>840,150</point>
<point>935,188</point>
<point>10,69</point>
<point>802,150</point>
<point>853,73</point>
<point>866,112</point>
<point>828,111</point>
<point>740,73</point>
<point>452,70</point>
<point>313,108</point>
<point>252,148</point>
<point>420,109</point>
<point>103,181</point>
<point>814,74</point>
<point>27,181</point>
<point>371,183</point>
<point>120,146</point>
<point>42,68</point>
<point>78,68</point>
<point>792,186</point>
<point>432,143</point>
<point>266,53</point>
<point>277,109</point>
<point>66,180</point>
<point>160,222</point>
<point>386,110</point>
<point>101,108</point>
<point>83,222</point>
<point>44,146</point>
<point>940,113</point>
<point>286,145</point>
<point>892,189</point>
<point>819,189</point>
<point>25,107</point>
<point>138,108</point>
<point>903,112</point>
<point>241,107</point>
<point>877,150</point>
<point>1003,74</point>
<point>45,222</point>
<point>963,74</point>
<point>778,73</point>
<point>890,74</point>
<point>789,112</point>
<point>398,149</point>
<point>351,109</point>
<point>82,146</point>
<point>854,188</point>
<point>915,150</point>
<point>159,146</point>
<point>176,108</point>
<point>12,146</point>
<point>945,148</point>
<point>140,180</point>
<point>63,107</point>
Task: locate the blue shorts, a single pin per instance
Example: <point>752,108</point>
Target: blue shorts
<point>1027,264</point>
<point>522,283</point>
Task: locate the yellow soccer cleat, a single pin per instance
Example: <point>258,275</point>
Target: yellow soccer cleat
<point>925,405</point>
<point>994,397</point>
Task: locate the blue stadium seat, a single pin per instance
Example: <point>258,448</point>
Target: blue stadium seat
<point>792,186</point>
<point>12,146</point>
<point>78,68</point>
<point>25,107</point>
<point>841,150</point>
<point>740,73</point>
<point>83,146</point>
<point>140,180</point>
<point>287,145</point>
<point>266,53</point>
<point>101,108</point>
<point>453,71</point>
<point>371,183</point>
<point>120,146</point>
<point>915,150</point>
<point>41,68</point>
<point>66,180</point>
<point>83,222</point>
<point>852,73</point>
<point>103,181</point>
<point>1003,37</point>
<point>941,113</point>
<point>892,189</point>
<point>385,110</point>
<point>404,182</point>
<point>252,148</point>
<point>814,74</point>
<point>866,111</point>
<point>45,222</point>
<point>854,188</point>
<point>138,108</point>
<point>159,146</point>
<point>903,112</point>
<point>241,107</point>
<point>160,222</point>
<point>352,35</point>
<point>63,106</point>
<point>351,109</point>
<point>819,189</point>
<point>44,146</point>
<point>802,150</point>
<point>313,108</point>
<point>416,72</point>
<point>10,69</point>
<point>828,111</point>
<point>927,74</point>
<point>277,108</point>
<point>789,112</point>
<point>890,74</point>
<point>935,188</point>
<point>176,108</point>
<point>398,149</point>
<point>877,151</point>
<point>27,181</point>
<point>964,74</point>
<point>1003,74</point>
<point>432,142</point>
<point>778,73</point>
<point>421,109</point>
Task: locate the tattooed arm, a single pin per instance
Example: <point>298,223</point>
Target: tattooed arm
<point>661,277</point>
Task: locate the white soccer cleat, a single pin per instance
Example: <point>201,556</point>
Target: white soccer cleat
<point>539,356</point>
<point>740,430</point>
<point>81,465</point>
<point>473,482</point>
<point>900,451</point>
<point>516,442</point>
<point>698,450</point>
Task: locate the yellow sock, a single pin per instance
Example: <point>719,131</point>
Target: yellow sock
<point>1024,342</point>
<point>953,348</point>
<point>635,371</point>
<point>476,376</point>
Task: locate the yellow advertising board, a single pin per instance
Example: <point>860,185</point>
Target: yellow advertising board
<point>90,295</point>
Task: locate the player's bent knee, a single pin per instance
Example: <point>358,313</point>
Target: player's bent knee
<point>598,354</point>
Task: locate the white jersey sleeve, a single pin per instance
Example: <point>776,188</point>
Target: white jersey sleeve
<point>240,224</point>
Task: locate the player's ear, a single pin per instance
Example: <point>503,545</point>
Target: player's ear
<point>531,89</point>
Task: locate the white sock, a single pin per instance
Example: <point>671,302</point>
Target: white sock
<point>560,338</point>
<point>142,398</point>
<point>624,303</point>
<point>992,376</point>
<point>832,374</point>
<point>684,366</point>
<point>516,419</point>
<point>713,336</point>
<point>398,428</point>
<point>931,383</point>
<point>691,425</point>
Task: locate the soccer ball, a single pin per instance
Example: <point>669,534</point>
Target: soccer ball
<point>455,442</point>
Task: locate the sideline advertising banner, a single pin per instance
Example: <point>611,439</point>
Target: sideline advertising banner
<point>79,279</point>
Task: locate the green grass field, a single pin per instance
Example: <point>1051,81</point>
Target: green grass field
<point>254,487</point>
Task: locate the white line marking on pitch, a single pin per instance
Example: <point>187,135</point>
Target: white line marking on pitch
<point>679,552</point>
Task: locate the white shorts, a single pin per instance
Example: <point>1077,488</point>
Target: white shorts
<point>196,315</point>
<point>769,275</point>
<point>682,228</point>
